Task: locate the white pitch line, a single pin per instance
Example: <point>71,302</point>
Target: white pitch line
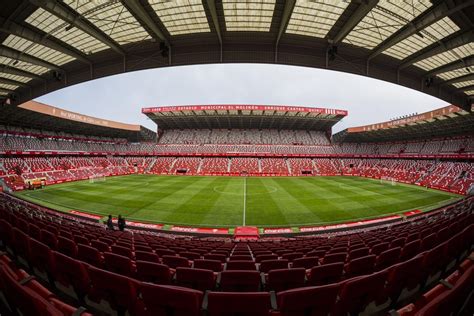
<point>245,199</point>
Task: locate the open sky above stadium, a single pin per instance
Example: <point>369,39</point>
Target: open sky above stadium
<point>121,97</point>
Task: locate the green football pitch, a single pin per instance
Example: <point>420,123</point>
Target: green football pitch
<point>236,201</point>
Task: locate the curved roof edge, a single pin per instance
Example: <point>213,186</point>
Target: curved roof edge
<point>42,108</point>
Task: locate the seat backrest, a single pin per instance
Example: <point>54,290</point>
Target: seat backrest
<point>67,246</point>
<point>123,251</point>
<point>360,266</point>
<point>69,271</point>
<point>355,294</point>
<point>163,300</point>
<point>147,256</point>
<point>153,272</point>
<point>238,304</point>
<point>306,262</point>
<point>406,274</point>
<point>387,258</point>
<point>209,264</point>
<point>240,281</point>
<point>90,255</point>
<point>326,274</point>
<point>268,265</point>
<point>120,291</point>
<point>314,300</point>
<point>175,262</point>
<point>285,279</point>
<point>118,264</point>
<point>379,248</point>
<point>260,258</point>
<point>241,265</point>
<point>198,279</point>
<point>213,256</point>
<point>335,257</point>
<point>450,302</point>
<point>24,299</point>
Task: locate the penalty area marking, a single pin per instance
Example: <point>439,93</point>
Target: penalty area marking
<point>218,189</point>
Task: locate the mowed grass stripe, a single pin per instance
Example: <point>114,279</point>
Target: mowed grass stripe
<point>218,201</point>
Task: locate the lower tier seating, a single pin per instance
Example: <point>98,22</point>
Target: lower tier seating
<point>145,273</point>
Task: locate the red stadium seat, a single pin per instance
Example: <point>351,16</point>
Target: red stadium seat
<point>220,257</point>
<point>175,262</point>
<point>119,291</point>
<point>334,258</point>
<point>268,265</point>
<point>147,256</point>
<point>170,300</point>
<point>357,293</point>
<point>23,299</point>
<point>260,258</point>
<point>239,281</point>
<point>90,255</point>
<point>325,274</point>
<point>70,274</point>
<point>285,279</point>
<point>306,262</point>
<point>67,247</point>
<point>388,258</point>
<point>153,272</point>
<point>119,264</point>
<point>198,279</point>
<point>123,251</point>
<point>208,264</point>
<point>315,300</point>
<point>405,277</point>
<point>241,265</point>
<point>40,258</point>
<point>360,266</point>
<point>238,304</point>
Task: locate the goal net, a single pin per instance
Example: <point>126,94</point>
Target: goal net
<point>388,180</point>
<point>96,178</point>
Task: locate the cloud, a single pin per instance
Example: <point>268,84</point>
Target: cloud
<point>121,97</point>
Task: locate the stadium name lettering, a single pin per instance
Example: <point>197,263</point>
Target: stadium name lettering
<point>82,118</point>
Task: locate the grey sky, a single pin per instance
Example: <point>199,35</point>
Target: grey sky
<point>121,97</point>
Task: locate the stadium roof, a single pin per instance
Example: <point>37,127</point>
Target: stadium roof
<point>227,116</point>
<point>426,45</point>
<point>443,122</point>
<point>40,116</point>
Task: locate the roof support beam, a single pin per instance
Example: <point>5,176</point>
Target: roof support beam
<point>430,16</point>
<point>12,82</point>
<point>466,88</point>
<point>17,55</point>
<point>448,43</point>
<point>64,12</point>
<point>464,62</point>
<point>362,10</point>
<point>18,72</point>
<point>285,18</point>
<point>460,79</point>
<point>41,38</point>
<point>142,16</point>
<point>211,4</point>
<point>3,90</point>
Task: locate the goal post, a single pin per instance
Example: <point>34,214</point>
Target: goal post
<point>96,178</point>
<point>388,180</point>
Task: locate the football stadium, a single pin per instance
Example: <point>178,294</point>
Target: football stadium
<point>236,209</point>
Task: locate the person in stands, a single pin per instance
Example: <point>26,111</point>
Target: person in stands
<point>109,223</point>
<point>121,223</point>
